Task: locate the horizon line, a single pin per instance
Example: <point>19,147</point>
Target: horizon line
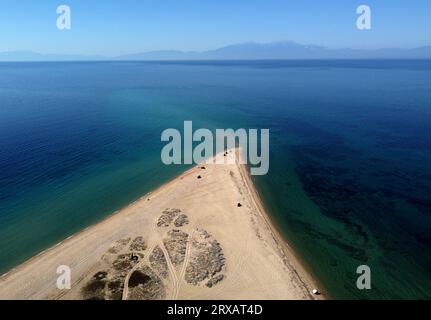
<point>291,42</point>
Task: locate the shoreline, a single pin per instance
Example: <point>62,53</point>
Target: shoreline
<point>103,220</point>
<point>115,221</point>
<point>291,254</point>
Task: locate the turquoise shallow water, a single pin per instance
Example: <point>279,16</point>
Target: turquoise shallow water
<point>350,172</point>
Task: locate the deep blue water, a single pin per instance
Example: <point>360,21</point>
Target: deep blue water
<point>350,170</point>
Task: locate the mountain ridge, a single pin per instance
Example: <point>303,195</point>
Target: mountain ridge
<point>288,50</point>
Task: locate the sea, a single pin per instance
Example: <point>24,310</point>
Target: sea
<point>349,181</point>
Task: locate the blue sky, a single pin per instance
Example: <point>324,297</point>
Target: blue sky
<point>114,27</point>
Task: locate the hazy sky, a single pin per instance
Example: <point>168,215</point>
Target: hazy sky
<point>112,27</point>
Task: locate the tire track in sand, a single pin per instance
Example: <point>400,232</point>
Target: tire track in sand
<point>186,256</point>
<point>175,286</point>
<point>126,280</point>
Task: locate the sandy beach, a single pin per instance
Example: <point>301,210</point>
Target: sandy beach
<point>203,235</point>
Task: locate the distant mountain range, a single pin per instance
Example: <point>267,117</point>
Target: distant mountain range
<point>243,51</point>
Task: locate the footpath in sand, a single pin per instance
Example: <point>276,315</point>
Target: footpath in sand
<point>203,235</point>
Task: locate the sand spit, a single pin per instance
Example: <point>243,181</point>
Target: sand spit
<point>192,238</point>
